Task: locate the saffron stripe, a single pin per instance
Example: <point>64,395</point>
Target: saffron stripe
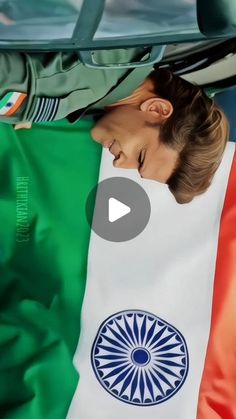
<point>217,396</point>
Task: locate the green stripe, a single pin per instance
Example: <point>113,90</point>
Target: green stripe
<point>43,280</point>
<point>5,99</point>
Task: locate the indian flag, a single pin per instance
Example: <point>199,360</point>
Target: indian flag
<point>96,329</point>
<point>11,102</point>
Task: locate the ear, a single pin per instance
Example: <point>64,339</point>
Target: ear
<point>160,108</point>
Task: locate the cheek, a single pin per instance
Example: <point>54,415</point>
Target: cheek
<point>121,125</point>
<point>103,126</point>
<point>134,139</point>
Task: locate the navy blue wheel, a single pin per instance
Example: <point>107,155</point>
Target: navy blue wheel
<point>139,358</point>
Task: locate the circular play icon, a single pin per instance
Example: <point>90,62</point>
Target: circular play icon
<point>118,209</point>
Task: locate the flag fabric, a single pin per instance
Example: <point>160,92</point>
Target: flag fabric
<point>96,329</point>
<point>148,307</point>
<point>45,176</point>
<point>11,102</point>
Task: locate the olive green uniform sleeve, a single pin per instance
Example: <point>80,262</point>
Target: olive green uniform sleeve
<point>15,76</point>
<point>57,84</point>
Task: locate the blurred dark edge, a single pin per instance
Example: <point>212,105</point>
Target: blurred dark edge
<point>227,101</point>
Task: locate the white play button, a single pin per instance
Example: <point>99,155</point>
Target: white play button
<point>122,209</point>
<point>117,210</point>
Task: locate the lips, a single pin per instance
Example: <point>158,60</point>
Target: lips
<point>116,154</point>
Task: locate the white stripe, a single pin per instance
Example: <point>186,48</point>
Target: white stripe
<point>54,110</point>
<point>38,104</point>
<point>51,104</point>
<point>41,108</point>
<point>45,109</point>
<point>167,270</point>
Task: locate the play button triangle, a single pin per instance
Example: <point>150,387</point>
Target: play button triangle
<point>117,210</point>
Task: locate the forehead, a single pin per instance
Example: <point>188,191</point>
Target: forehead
<point>160,162</point>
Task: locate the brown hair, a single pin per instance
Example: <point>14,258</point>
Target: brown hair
<point>197,129</point>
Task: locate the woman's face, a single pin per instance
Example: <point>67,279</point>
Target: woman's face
<point>134,144</point>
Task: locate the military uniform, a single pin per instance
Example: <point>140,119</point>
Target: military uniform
<point>47,87</point>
